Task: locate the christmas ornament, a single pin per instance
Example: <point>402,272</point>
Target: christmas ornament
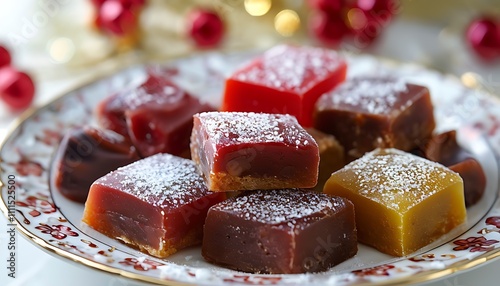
<point>16,88</point>
<point>119,19</point>
<point>329,29</point>
<point>205,27</point>
<point>483,35</point>
<point>361,21</point>
<point>116,17</point>
<point>328,6</point>
<point>4,57</point>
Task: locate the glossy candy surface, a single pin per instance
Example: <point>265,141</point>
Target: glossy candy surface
<point>86,154</point>
<point>286,80</point>
<point>157,204</point>
<point>251,151</point>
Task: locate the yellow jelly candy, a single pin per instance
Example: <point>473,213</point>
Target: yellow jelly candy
<point>402,202</point>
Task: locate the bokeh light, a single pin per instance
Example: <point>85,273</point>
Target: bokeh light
<point>287,22</point>
<point>258,7</point>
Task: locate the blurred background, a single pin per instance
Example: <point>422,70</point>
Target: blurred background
<point>60,43</point>
<point>57,38</point>
<point>61,40</point>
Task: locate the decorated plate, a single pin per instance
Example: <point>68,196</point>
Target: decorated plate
<point>54,223</point>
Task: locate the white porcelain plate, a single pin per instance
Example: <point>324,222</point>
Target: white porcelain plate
<point>53,222</point>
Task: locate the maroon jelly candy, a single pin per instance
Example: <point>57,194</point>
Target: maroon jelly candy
<point>156,115</point>
<point>84,155</point>
<point>280,231</point>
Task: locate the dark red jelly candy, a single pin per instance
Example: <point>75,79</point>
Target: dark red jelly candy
<point>86,154</point>
<point>156,116</point>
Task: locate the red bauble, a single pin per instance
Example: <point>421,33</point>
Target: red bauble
<point>377,5</point>
<point>484,37</point>
<point>364,20</point>
<point>4,57</point>
<point>328,6</point>
<point>379,11</point>
<point>97,3</point>
<point>114,16</point>
<point>16,88</point>
<point>133,5</point>
<point>126,3</point>
<point>329,28</point>
<point>205,27</point>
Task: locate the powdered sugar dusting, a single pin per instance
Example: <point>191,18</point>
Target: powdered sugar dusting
<point>227,128</point>
<point>281,206</point>
<point>291,68</point>
<point>395,178</point>
<point>376,95</point>
<point>155,91</point>
<point>161,180</point>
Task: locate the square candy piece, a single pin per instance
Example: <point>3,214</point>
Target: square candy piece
<point>403,202</point>
<point>365,113</point>
<point>157,204</point>
<point>285,79</point>
<point>84,155</point>
<point>280,232</point>
<point>252,151</point>
<point>156,115</point>
<point>444,148</point>
<point>331,156</point>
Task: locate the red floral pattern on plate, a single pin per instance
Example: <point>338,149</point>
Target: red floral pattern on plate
<point>50,137</point>
<point>26,167</point>
<point>493,220</point>
<point>475,244</point>
<point>141,264</point>
<point>254,280</point>
<point>57,231</point>
<point>38,204</point>
<point>381,270</point>
<point>432,257</point>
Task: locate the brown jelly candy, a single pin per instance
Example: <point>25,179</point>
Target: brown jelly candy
<point>370,112</point>
<point>280,231</point>
<point>331,155</point>
<point>444,148</point>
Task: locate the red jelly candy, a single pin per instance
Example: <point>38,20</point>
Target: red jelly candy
<point>248,151</point>
<point>156,115</point>
<point>157,204</point>
<point>286,80</point>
